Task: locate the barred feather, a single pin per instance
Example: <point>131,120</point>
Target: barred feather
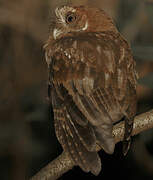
<point>93,86</point>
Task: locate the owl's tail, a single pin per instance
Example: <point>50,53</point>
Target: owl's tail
<point>78,141</point>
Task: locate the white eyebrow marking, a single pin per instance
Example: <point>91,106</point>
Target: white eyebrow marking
<point>59,14</point>
<point>67,8</point>
<point>86,26</point>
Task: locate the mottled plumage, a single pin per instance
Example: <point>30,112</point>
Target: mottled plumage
<point>92,83</point>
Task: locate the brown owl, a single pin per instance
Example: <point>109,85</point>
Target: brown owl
<point>92,83</point>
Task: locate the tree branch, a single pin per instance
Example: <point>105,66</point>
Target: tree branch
<point>63,163</point>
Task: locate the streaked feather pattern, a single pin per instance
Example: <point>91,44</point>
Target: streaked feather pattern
<point>91,90</point>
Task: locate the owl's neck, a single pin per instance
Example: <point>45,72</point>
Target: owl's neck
<point>100,22</point>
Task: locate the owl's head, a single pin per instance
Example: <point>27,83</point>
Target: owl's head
<point>80,19</point>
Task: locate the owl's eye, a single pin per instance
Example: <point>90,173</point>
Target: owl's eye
<point>70,18</point>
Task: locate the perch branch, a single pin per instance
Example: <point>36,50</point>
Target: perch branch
<point>63,163</point>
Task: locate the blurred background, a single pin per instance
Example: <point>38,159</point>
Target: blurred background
<point>27,138</point>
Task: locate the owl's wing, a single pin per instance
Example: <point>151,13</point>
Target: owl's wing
<point>130,99</point>
<point>73,131</point>
<point>86,95</point>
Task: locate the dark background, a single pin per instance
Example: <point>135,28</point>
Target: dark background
<point>27,138</point>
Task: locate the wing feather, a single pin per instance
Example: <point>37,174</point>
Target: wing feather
<point>90,82</point>
<point>68,139</point>
<point>78,140</point>
<point>85,133</point>
<point>82,150</point>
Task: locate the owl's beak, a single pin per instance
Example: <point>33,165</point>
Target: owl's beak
<point>56,33</point>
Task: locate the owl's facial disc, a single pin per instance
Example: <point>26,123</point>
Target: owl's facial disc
<point>68,20</point>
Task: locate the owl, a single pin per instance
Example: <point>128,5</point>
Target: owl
<point>92,83</point>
